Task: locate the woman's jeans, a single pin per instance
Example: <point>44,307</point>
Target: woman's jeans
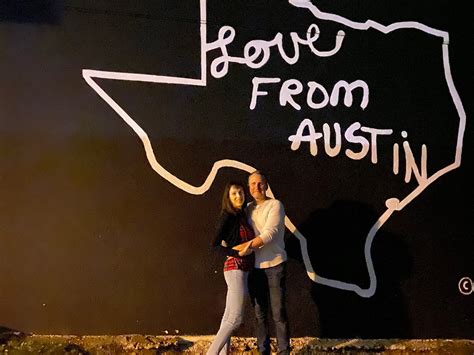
<point>270,285</point>
<point>234,309</point>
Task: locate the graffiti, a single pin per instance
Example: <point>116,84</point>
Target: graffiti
<point>293,87</point>
<point>366,145</point>
<point>255,54</point>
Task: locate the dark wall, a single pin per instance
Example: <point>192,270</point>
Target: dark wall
<point>98,238</point>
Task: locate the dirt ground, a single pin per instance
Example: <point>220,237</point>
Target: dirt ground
<point>18,343</point>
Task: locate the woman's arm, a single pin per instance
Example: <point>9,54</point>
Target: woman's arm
<point>244,248</point>
<point>223,229</point>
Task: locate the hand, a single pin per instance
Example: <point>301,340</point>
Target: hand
<point>246,250</point>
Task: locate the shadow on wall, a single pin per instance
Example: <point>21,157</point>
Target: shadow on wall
<point>337,252</point>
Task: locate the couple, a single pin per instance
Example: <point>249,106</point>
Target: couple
<point>251,237</point>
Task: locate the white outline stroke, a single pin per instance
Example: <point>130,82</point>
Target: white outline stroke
<point>392,204</point>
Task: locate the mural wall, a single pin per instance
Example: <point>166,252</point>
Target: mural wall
<point>121,124</point>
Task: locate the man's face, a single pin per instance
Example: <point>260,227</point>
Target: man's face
<point>258,187</point>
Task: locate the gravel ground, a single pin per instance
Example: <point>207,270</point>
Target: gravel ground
<point>18,343</point>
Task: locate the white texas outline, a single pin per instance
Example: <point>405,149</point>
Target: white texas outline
<point>392,204</point>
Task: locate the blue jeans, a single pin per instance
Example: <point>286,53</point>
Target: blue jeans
<point>265,284</point>
<point>234,309</point>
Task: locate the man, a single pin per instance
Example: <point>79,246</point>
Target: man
<point>267,281</point>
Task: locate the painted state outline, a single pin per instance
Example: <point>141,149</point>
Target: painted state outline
<point>392,204</point>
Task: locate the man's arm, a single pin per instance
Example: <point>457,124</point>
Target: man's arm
<point>244,248</point>
<point>255,243</point>
<point>274,222</point>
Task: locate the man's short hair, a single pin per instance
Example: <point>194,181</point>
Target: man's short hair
<point>261,173</point>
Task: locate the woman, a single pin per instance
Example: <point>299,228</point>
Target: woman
<point>233,229</point>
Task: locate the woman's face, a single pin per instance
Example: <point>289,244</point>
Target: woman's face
<point>236,196</point>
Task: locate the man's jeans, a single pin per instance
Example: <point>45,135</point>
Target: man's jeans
<point>234,308</point>
<point>265,284</point>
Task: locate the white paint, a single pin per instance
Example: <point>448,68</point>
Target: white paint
<point>374,132</point>
<point>306,132</point>
<point>257,52</point>
<point>293,87</point>
<point>350,137</point>
<point>313,86</point>
<point>396,158</point>
<point>261,49</point>
<point>332,152</point>
<point>466,286</point>
<point>311,137</point>
<point>342,84</point>
<point>288,89</point>
<point>412,167</point>
<point>255,89</point>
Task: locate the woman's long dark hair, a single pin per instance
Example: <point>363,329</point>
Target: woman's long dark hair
<point>226,203</point>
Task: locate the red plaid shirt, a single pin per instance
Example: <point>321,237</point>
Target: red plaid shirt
<point>244,263</point>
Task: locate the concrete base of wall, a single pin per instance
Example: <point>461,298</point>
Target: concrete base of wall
<point>16,342</point>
